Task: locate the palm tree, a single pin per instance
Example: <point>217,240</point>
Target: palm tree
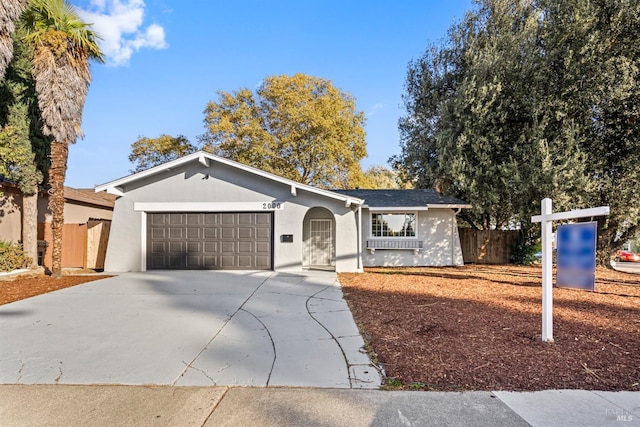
<point>10,11</point>
<point>62,46</point>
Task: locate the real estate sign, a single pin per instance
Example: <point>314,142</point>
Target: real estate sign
<point>576,251</point>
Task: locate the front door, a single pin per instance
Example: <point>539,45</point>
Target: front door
<point>321,245</point>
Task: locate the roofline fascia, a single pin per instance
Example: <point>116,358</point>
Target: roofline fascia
<point>202,157</point>
<point>415,208</point>
<point>450,206</point>
<point>89,201</point>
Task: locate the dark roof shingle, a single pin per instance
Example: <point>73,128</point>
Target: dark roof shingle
<point>402,198</point>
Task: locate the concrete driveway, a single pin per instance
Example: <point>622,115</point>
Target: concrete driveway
<point>188,328</point>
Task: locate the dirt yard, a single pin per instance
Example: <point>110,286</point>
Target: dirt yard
<point>29,285</point>
<point>478,328</point>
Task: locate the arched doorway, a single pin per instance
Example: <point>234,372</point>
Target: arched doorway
<point>319,236</point>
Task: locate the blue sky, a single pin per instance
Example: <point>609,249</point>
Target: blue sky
<point>166,59</point>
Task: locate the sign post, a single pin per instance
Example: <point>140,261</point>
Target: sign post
<point>546,219</point>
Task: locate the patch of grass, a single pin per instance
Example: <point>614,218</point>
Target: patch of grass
<point>393,382</point>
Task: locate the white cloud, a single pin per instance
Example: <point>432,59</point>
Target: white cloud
<point>120,24</point>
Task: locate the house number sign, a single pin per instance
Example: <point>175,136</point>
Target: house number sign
<point>272,206</point>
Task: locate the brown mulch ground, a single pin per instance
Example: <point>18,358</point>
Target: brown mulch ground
<point>478,328</point>
<point>31,284</point>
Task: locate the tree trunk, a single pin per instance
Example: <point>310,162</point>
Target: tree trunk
<point>30,226</point>
<point>57,172</point>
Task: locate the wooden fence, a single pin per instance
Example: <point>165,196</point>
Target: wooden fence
<point>486,246</point>
<point>83,245</point>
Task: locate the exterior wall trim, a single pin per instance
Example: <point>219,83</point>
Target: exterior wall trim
<point>143,241</point>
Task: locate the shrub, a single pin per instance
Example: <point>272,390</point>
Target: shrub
<point>12,256</point>
<point>524,252</point>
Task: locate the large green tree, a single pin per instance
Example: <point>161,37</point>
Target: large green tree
<point>149,152</point>
<point>299,127</point>
<point>593,58</point>
<point>527,100</point>
<point>62,47</point>
<point>381,178</point>
<point>476,118</point>
<point>23,148</point>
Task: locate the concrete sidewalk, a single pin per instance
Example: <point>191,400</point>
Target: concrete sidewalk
<point>64,405</point>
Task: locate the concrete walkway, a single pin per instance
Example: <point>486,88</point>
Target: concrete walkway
<point>59,405</point>
<point>189,328</point>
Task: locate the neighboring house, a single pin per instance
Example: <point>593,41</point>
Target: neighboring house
<point>202,211</point>
<point>81,206</point>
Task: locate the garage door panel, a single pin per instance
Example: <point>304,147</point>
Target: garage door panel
<point>176,219</point>
<point>194,261</point>
<point>245,233</point>
<point>158,219</point>
<point>158,261</point>
<point>211,218</point>
<point>263,262</point>
<point>176,233</point>
<point>158,233</point>
<point>245,261</point>
<point>228,261</point>
<point>176,261</point>
<point>194,219</point>
<point>176,247</point>
<point>210,262</point>
<point>194,247</point>
<point>245,219</point>
<point>263,248</point>
<point>228,218</point>
<point>262,219</point>
<point>245,247</point>
<point>263,233</point>
<point>209,240</point>
<point>210,232</point>
<point>158,247</point>
<point>193,233</point>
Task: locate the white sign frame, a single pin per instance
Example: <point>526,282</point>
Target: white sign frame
<point>546,220</point>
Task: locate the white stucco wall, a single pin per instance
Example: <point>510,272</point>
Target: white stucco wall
<point>226,184</point>
<point>437,228</point>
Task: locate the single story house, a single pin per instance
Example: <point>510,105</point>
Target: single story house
<point>203,211</point>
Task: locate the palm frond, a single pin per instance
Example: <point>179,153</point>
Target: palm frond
<point>43,16</point>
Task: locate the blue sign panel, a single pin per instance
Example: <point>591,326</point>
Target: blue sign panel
<point>576,262</point>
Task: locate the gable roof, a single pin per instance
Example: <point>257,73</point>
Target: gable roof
<point>89,196</point>
<point>204,158</point>
<point>82,195</point>
<point>415,199</point>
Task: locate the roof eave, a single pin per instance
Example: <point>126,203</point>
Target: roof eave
<point>417,208</point>
<point>204,158</point>
<point>450,206</point>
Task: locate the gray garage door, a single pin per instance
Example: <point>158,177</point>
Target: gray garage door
<point>209,241</point>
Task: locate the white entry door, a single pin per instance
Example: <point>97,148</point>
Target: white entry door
<point>321,245</point>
